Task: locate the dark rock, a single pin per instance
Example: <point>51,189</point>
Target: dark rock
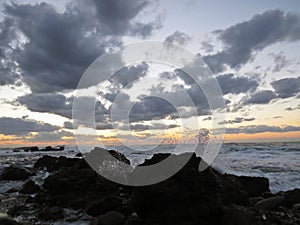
<point>95,154</point>
<point>52,214</point>
<point>254,186</point>
<point>291,197</point>
<point>269,203</point>
<point>7,221</point>
<point>79,154</point>
<point>133,220</point>
<point>54,163</point>
<point>29,187</point>
<point>14,173</point>
<point>104,205</point>
<point>110,218</point>
<point>31,149</point>
<point>189,197</point>
<point>239,215</point>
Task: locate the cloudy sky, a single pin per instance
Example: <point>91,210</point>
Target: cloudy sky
<point>252,48</point>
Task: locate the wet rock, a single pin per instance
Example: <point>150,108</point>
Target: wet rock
<point>14,173</point>
<point>29,187</point>
<point>12,190</point>
<point>110,218</point>
<point>269,203</point>
<point>54,213</point>
<point>7,221</point>
<point>291,197</point>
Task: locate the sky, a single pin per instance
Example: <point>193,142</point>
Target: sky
<point>251,48</point>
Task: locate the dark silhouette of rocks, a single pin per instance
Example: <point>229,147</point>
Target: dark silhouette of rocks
<point>189,197</point>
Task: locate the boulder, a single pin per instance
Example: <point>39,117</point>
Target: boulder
<point>14,173</point>
<point>29,187</point>
<point>110,218</point>
<point>269,203</point>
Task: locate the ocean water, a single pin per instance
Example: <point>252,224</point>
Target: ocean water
<point>280,162</point>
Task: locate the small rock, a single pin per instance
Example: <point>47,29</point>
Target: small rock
<point>133,220</point>
<point>29,187</point>
<point>269,203</point>
<point>14,173</point>
<point>110,218</point>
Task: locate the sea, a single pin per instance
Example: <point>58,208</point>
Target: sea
<point>279,162</point>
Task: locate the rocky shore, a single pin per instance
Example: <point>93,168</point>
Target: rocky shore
<point>75,194</point>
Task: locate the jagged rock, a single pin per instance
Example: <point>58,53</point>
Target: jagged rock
<point>29,187</point>
<point>110,218</point>
<point>269,203</point>
<point>14,173</point>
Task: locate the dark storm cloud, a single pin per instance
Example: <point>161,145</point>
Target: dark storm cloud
<point>16,126</point>
<point>260,129</point>
<point>287,87</point>
<point>59,104</point>
<point>207,47</point>
<point>242,40</point>
<point>60,46</point>
<point>49,103</point>
<point>237,120</point>
<point>261,97</point>
<point>178,38</point>
<point>236,85</point>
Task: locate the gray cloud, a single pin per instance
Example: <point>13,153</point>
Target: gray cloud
<point>178,38</point>
<point>237,120</point>
<point>60,46</point>
<point>280,61</point>
<point>244,39</point>
<point>236,85</point>
<point>16,126</point>
<point>287,87</point>
<point>260,129</point>
<point>127,75</point>
<point>261,97</point>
